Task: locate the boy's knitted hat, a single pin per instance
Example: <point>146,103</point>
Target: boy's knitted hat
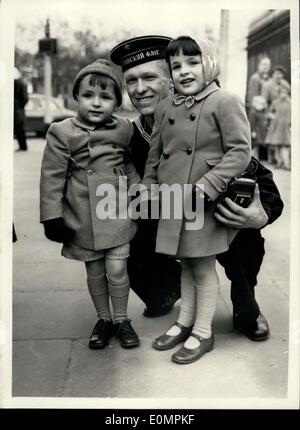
<point>101,67</point>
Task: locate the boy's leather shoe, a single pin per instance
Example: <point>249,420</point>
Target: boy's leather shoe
<point>186,355</point>
<point>262,332</point>
<point>101,334</point>
<point>166,341</point>
<point>126,334</point>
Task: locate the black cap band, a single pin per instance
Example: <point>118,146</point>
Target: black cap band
<point>139,50</point>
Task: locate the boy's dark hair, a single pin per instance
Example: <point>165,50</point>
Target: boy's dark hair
<point>182,43</point>
<point>100,80</point>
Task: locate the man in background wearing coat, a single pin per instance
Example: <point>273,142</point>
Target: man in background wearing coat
<point>20,100</point>
<point>155,278</point>
<point>256,106</point>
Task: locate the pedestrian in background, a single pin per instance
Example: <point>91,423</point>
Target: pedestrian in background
<point>278,137</point>
<point>20,101</point>
<point>14,236</point>
<point>256,106</point>
<point>272,88</point>
<point>258,121</point>
<point>258,80</point>
<point>81,154</point>
<point>276,93</point>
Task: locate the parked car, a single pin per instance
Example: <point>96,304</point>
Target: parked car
<point>35,111</point>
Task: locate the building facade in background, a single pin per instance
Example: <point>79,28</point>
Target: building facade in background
<point>269,35</point>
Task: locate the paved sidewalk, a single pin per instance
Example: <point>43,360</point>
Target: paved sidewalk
<point>53,317</point>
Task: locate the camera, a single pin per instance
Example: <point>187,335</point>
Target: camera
<point>241,190</point>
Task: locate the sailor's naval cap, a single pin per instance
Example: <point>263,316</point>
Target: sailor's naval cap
<point>139,50</point>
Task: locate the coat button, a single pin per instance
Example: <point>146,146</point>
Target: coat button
<point>189,150</point>
<point>171,120</point>
<point>192,116</point>
<point>115,170</point>
<point>165,155</point>
<point>90,172</point>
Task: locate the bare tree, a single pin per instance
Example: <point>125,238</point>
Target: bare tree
<point>75,49</point>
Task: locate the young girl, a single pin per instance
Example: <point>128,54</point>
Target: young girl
<point>279,132</point>
<point>81,154</point>
<point>201,136</point>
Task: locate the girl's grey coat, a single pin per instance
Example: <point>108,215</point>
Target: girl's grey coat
<point>207,144</point>
<point>77,159</point>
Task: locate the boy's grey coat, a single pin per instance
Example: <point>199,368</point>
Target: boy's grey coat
<point>70,192</point>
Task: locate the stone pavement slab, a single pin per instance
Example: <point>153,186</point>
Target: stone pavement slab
<point>31,249</point>
<point>52,315</point>
<point>236,367</point>
<point>274,305</point>
<point>39,367</point>
<point>70,314</point>
<point>70,369</point>
<point>50,276</point>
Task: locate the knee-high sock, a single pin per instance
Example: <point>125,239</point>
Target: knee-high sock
<point>98,289</point>
<point>207,297</point>
<point>188,297</point>
<point>119,293</point>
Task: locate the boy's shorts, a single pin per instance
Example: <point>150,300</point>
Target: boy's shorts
<point>70,250</point>
<point>118,253</point>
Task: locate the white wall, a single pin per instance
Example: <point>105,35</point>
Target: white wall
<point>239,21</point>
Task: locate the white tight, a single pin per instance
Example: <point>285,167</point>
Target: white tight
<point>199,294</point>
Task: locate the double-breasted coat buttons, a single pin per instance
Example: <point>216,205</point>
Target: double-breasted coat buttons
<point>171,121</point>
<point>192,116</point>
<point>166,155</point>
<point>90,172</point>
<point>189,150</point>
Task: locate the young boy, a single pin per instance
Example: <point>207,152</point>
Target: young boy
<point>81,154</point>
